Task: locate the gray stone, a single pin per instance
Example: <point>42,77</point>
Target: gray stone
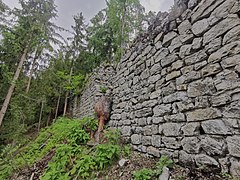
<point>214,45</point>
<point>211,69</point>
<point>161,110</point>
<point>169,60</point>
<point>165,174</point>
<point>144,112</point>
<point>153,151</point>
<point>196,57</point>
<point>177,65</point>
<point>175,44</point>
<point>200,65</point>
<point>186,159</point>
<point>221,28</point>
<point>154,78</point>
<point>191,129</point>
<point>172,129</point>
<point>168,37</point>
<point>155,69</point>
<point>200,27</point>
<point>232,35</point>
<point>202,102</point>
<point>171,142</point>
<point>203,160</point>
<point>147,130</point>
<point>185,50</point>
<point>173,75</point>
<point>231,61</point>
<point>146,140</point>
<point>180,117</point>
<point>156,94</point>
<point>178,96</point>
<point>141,121</point>
<point>145,74</point>
<point>192,4</point>
<point>213,147</point>
<point>122,162</point>
<point>156,140</point>
<point>157,120</point>
<point>216,127</point>
<point>161,54</point>
<point>203,114</point>
<point>184,106</point>
<point>220,100</point>
<point>168,89</point>
<point>224,163</point>
<point>158,38</point>
<point>201,87</point>
<point>197,43</point>
<point>184,27</point>
<point>235,167</point>
<point>191,145</point>
<point>232,110</point>
<point>227,50</point>
<point>136,139</point>
<point>126,131</point>
<point>234,145</point>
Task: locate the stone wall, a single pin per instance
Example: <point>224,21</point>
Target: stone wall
<point>177,89</point>
<point>99,82</point>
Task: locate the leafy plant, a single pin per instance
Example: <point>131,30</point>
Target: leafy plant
<point>163,162</point>
<point>113,136</point>
<point>103,89</point>
<point>143,174</point>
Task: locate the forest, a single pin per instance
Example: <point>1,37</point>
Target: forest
<point>41,71</point>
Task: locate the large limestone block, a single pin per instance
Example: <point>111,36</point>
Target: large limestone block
<point>203,160</point>
<point>216,127</point>
<point>191,145</point>
<point>172,129</point>
<point>136,139</point>
<point>213,147</point>
<point>234,145</point>
<point>203,114</point>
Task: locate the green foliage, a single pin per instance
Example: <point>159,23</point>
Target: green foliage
<point>143,174</point>
<point>103,89</point>
<point>72,158</point>
<point>163,162</point>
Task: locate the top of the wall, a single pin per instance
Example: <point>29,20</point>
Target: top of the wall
<point>164,23</point>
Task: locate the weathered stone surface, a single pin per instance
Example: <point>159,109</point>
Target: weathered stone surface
<point>201,87</point>
<point>171,142</point>
<point>234,145</point>
<point>200,27</point>
<point>191,145</point>
<point>196,57</point>
<point>214,45</point>
<point>221,28</point>
<point>168,37</point>
<point>220,100</point>
<point>231,61</point>
<point>165,174</point>
<point>232,35</point>
<point>168,89</point>
<point>173,75</point>
<point>161,110</point>
<point>186,159</point>
<point>197,43</point>
<point>155,69</point>
<point>211,69</point>
<point>178,96</point>
<point>168,60</point>
<point>185,50</point>
<point>227,50</point>
<point>203,160</point>
<point>146,140</point>
<point>235,167</point>
<point>144,112</point>
<point>232,110</point>
<point>212,146</point>
<point>156,140</point>
<point>215,127</point>
<point>191,129</point>
<point>184,27</point>
<point>136,139</point>
<point>126,130</point>
<point>175,118</point>
<point>202,102</point>
<point>153,151</point>
<point>192,4</point>
<point>171,129</point>
<point>203,114</point>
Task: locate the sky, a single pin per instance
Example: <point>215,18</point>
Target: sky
<point>89,8</point>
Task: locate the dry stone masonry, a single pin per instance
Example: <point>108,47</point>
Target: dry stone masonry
<point>99,83</point>
<point>177,90</point>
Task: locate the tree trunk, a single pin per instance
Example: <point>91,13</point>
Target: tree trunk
<point>12,86</point>
<point>122,28</point>
<point>37,54</point>
<point>40,117</point>
<point>67,93</point>
<point>56,113</point>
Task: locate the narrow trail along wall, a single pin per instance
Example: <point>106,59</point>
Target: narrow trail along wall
<point>177,90</point>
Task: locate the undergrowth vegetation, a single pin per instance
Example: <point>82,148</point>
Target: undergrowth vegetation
<point>72,157</point>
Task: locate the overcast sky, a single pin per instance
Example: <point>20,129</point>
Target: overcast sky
<point>89,8</point>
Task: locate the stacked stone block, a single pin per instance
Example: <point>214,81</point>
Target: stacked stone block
<point>177,90</point>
